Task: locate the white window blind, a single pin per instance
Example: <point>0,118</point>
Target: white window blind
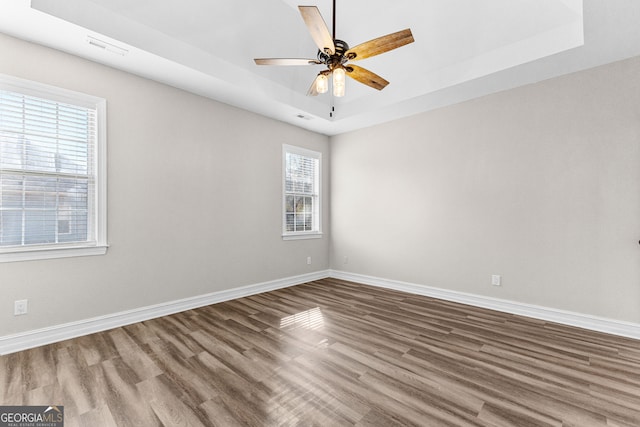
<point>49,194</point>
<point>301,191</point>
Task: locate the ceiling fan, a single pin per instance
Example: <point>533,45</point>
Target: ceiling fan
<point>336,53</point>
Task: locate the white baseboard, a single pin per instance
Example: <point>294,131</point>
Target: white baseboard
<point>600,324</point>
<point>35,338</point>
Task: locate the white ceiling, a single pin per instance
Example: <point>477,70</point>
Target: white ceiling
<point>463,48</point>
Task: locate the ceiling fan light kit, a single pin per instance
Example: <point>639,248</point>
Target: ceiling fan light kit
<point>336,53</point>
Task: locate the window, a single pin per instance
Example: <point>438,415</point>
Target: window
<point>52,172</point>
<point>301,219</point>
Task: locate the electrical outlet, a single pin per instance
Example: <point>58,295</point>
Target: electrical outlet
<point>308,260</point>
<point>20,307</point>
<point>496,279</point>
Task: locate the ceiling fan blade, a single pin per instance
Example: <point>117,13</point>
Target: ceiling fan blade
<point>366,77</point>
<point>318,29</point>
<point>286,61</point>
<point>380,45</point>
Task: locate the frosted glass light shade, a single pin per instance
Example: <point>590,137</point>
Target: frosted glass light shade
<point>339,77</point>
<point>322,83</point>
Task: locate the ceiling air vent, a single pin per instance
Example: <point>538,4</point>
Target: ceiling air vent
<point>106,46</point>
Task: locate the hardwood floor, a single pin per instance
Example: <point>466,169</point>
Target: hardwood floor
<point>334,353</point>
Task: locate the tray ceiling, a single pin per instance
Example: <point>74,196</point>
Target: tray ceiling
<point>463,48</point>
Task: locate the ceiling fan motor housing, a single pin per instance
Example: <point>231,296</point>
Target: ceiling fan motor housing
<point>338,57</point>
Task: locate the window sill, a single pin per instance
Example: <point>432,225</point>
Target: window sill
<point>50,253</point>
<point>302,236</point>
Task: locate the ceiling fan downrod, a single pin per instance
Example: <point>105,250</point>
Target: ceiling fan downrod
<point>334,19</point>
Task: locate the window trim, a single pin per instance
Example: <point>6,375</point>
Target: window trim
<point>100,245</point>
<point>300,235</point>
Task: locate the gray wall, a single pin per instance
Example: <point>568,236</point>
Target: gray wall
<point>540,184</point>
<point>194,199</point>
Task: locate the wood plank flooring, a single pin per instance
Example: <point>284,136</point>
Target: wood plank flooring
<point>334,353</point>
